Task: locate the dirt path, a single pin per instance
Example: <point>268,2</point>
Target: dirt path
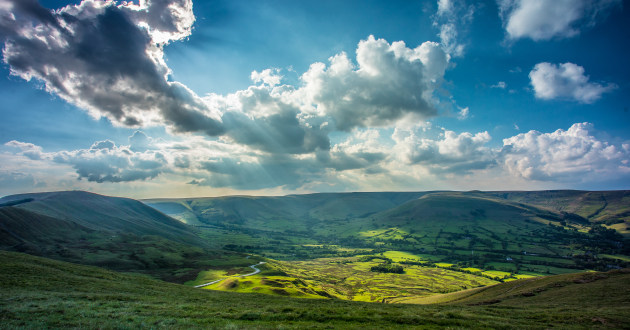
<point>256,271</point>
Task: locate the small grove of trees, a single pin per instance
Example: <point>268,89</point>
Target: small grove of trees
<point>388,268</point>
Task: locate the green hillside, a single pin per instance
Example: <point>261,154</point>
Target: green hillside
<point>601,290</point>
<point>269,213</point>
<point>117,233</point>
<point>496,234</point>
<point>103,213</point>
<point>43,293</point>
<point>611,208</point>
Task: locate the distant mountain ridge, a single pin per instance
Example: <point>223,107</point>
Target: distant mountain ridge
<point>603,207</point>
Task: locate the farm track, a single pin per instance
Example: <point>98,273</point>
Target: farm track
<point>256,271</point>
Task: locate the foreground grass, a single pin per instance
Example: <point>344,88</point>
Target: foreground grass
<point>39,293</point>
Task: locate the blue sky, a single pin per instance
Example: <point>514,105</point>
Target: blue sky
<point>174,98</point>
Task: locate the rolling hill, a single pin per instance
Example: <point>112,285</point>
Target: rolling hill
<point>269,212</point>
<point>100,213</point>
<point>567,290</point>
<point>500,231</point>
<point>117,233</point>
<point>611,208</point>
<point>43,293</point>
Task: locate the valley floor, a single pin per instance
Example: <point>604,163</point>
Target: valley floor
<point>41,293</point>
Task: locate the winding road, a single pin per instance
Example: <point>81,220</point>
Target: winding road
<point>256,271</point>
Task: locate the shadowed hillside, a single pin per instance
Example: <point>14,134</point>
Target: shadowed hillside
<point>101,213</point>
<point>116,233</point>
<point>255,209</point>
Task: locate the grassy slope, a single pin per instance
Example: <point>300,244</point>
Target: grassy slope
<point>38,292</point>
<point>597,206</point>
<point>456,222</point>
<point>104,213</point>
<point>117,233</point>
<point>445,208</point>
<point>607,292</point>
<point>276,213</point>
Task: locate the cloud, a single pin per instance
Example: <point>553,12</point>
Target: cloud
<point>259,118</point>
<point>28,150</point>
<point>270,77</point>
<point>102,162</point>
<point>363,150</point>
<point>16,180</point>
<point>565,81</point>
<point>453,18</point>
<point>112,163</point>
<point>569,156</point>
<point>140,142</point>
<point>449,153</point>
<point>500,84</point>
<point>463,113</point>
<point>107,144</point>
<point>107,59</point>
<point>265,172</point>
<point>366,159</point>
<point>544,20</point>
<point>390,82</point>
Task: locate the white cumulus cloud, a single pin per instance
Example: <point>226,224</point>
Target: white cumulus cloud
<point>565,81</point>
<point>571,155</point>
<point>388,82</point>
<point>449,153</point>
<point>547,19</point>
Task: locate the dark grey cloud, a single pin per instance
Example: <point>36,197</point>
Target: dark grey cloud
<point>343,161</point>
<point>267,172</point>
<point>98,56</point>
<point>280,132</point>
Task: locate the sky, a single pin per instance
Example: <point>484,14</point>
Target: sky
<point>182,98</point>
